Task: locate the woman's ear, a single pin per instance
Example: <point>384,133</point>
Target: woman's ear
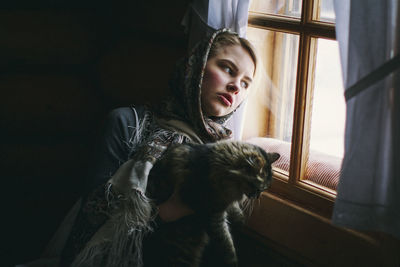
<point>272,157</point>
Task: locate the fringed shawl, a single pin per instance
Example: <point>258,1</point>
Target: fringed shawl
<point>125,211</point>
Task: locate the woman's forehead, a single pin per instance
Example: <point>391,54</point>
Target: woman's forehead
<point>239,56</point>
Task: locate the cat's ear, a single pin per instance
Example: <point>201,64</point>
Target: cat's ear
<point>272,157</point>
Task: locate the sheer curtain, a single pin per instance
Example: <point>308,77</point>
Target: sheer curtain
<point>369,188</point>
<point>203,18</point>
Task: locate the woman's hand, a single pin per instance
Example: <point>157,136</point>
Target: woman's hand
<point>173,209</point>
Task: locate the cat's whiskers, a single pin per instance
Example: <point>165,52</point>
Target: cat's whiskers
<point>247,206</point>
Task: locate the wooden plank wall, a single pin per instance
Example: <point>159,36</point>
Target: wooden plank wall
<point>63,66</point>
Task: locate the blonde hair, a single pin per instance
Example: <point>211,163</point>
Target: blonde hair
<point>228,39</point>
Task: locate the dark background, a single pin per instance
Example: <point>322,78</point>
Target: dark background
<point>63,66</point>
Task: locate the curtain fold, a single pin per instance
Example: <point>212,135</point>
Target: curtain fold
<point>203,17</point>
<point>368,195</point>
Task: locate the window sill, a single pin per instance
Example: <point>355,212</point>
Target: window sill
<point>322,169</point>
<point>312,240</point>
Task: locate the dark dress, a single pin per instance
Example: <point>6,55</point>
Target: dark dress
<point>177,120</point>
<point>113,148</point>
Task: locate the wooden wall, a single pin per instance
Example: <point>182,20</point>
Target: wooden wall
<point>63,66</point>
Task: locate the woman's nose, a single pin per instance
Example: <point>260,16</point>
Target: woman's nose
<point>234,87</point>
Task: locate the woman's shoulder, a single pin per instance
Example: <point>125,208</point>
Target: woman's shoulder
<point>121,121</point>
<point>127,113</point>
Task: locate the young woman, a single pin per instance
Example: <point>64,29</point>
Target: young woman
<point>206,88</point>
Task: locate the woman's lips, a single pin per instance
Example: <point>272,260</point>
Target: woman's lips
<point>226,99</point>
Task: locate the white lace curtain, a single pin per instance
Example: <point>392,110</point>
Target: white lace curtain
<point>204,17</point>
<point>369,189</point>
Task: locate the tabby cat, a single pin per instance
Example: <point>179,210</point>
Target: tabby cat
<point>211,179</point>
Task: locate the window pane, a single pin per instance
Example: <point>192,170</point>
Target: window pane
<point>325,11</point>
<point>269,112</point>
<point>328,117</point>
<point>291,8</point>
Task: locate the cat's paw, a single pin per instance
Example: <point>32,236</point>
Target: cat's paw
<point>235,214</point>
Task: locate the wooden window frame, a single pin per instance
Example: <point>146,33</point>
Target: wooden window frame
<point>294,216</point>
<point>304,193</point>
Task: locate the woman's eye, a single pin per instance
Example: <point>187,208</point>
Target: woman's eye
<point>228,70</point>
<point>244,84</point>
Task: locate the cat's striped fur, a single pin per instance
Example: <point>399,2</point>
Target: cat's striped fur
<point>211,179</point>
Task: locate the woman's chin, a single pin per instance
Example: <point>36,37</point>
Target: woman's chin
<point>218,110</point>
<point>219,113</point>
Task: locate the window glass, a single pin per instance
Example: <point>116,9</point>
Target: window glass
<point>324,11</point>
<point>291,8</point>
<point>328,117</point>
<point>269,112</point>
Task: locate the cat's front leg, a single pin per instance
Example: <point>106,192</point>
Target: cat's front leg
<point>220,241</point>
<point>235,215</point>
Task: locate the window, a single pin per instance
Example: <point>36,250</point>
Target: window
<point>298,106</point>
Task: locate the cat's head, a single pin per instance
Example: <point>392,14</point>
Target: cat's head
<point>247,167</point>
<point>260,168</point>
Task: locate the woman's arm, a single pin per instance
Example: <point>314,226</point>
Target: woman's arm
<point>113,145</point>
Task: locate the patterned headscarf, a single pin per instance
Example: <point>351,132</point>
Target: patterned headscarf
<point>179,119</point>
<point>185,85</point>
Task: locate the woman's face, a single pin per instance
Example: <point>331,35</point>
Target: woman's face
<point>226,80</point>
